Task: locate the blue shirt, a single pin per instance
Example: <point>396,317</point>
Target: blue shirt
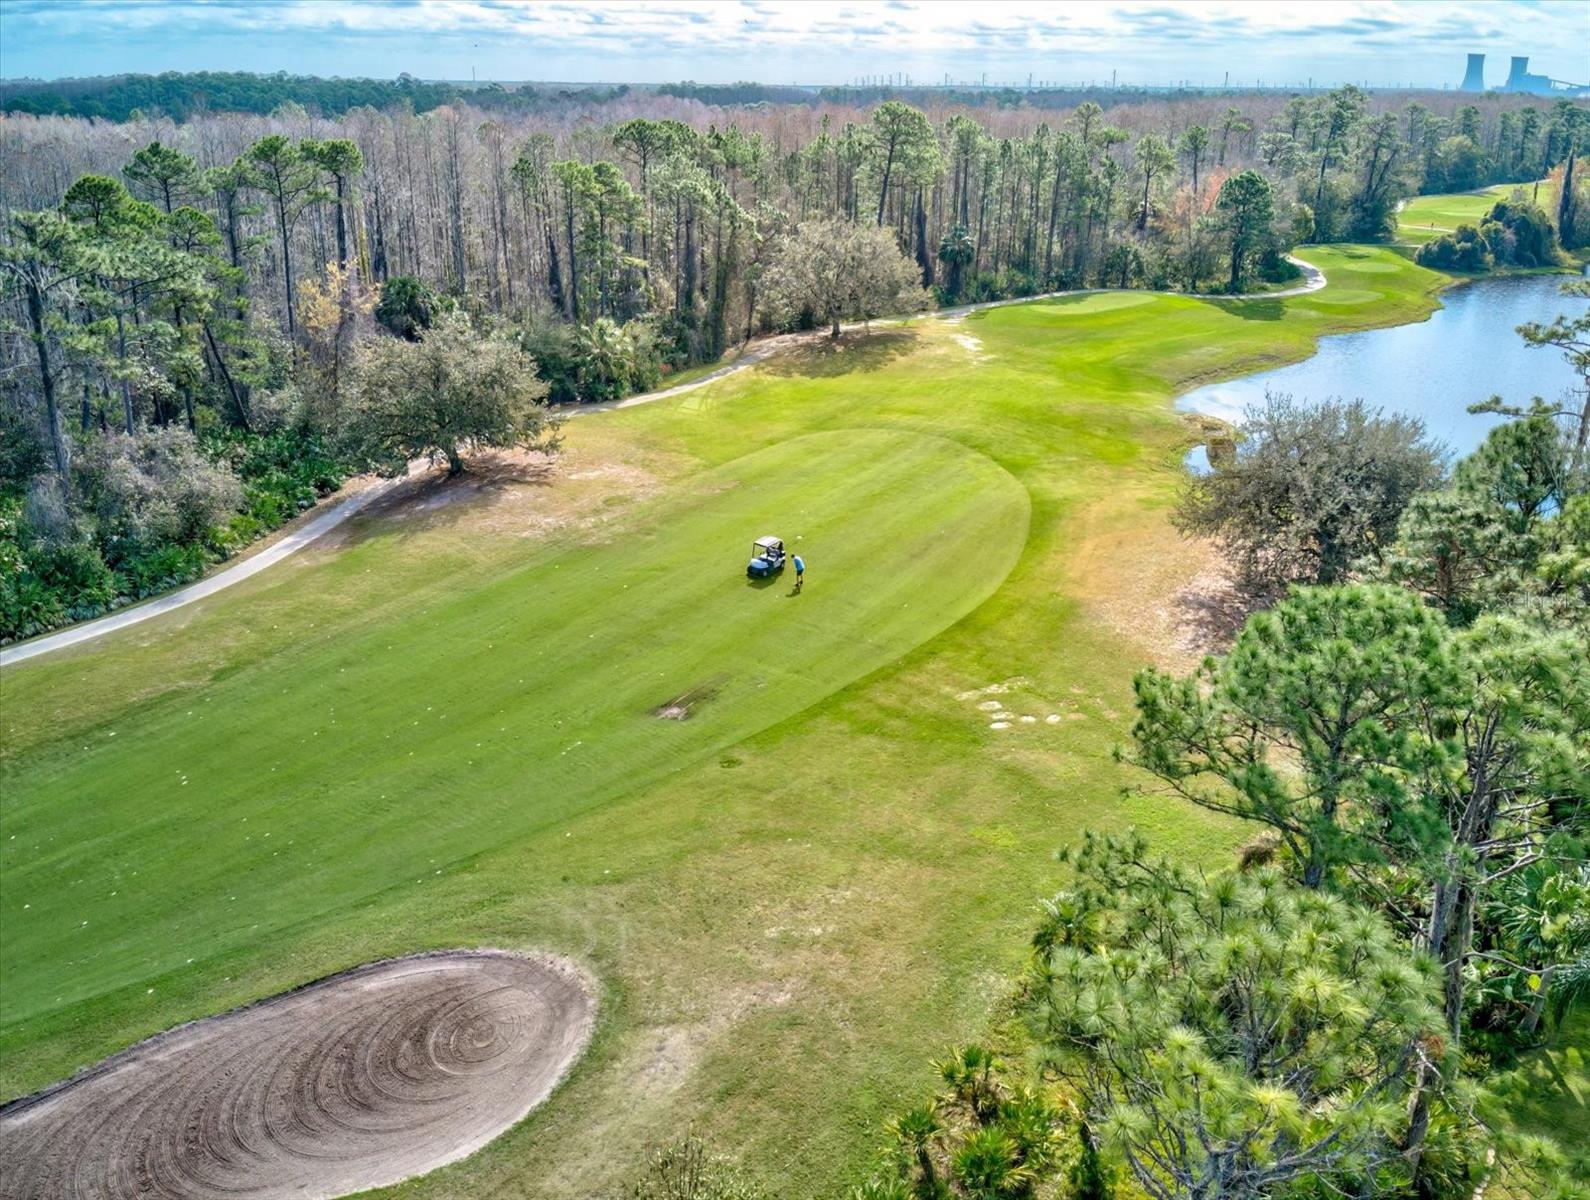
<point>799,566</point>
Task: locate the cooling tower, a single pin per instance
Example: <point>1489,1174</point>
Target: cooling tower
<point>1474,77</point>
<point>1518,75</point>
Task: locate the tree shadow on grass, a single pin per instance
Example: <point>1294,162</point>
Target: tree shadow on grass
<point>1211,610</point>
<point>432,499</point>
<point>1252,310</point>
<point>1069,300</point>
<point>853,352</point>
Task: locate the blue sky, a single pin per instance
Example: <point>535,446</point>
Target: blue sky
<point>806,41</point>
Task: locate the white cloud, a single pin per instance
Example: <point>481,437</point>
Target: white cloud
<point>826,40</point>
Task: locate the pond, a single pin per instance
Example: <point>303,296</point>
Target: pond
<point>1466,352</point>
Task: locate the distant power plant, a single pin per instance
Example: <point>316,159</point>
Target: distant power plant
<point>1474,77</point>
<point>1520,80</point>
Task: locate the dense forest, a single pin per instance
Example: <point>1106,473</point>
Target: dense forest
<point>182,96</point>
<point>190,307</point>
<point>209,319</point>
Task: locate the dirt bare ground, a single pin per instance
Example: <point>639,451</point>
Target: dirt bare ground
<point>357,1081</point>
<point>1172,596</point>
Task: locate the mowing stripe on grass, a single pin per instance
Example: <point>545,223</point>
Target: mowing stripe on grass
<point>308,782</point>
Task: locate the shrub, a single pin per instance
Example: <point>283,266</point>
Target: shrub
<point>672,341</point>
<point>77,574</point>
<point>684,1170</point>
<point>283,473</point>
<point>295,455</point>
<point>153,488</point>
<point>1464,249</point>
<point>1520,233</point>
<point>10,534</point>
<point>557,357</point>
<point>1311,490</point>
<point>602,360</point>
<point>242,529</point>
<point>46,510</point>
<point>162,568</point>
<point>616,360</point>
<point>154,510</point>
<point>268,508</point>
<point>1275,267</point>
<point>27,605</point>
<point>407,307</point>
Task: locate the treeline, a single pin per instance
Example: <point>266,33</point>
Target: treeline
<point>670,216</point>
<point>1471,149</point>
<point>1408,727</point>
<point>1518,232</point>
<point>168,430</point>
<point>225,276</point>
<point>1042,98</point>
<point>183,96</point>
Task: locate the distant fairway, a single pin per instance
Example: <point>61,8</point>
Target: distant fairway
<point>1425,218</point>
<point>439,731</point>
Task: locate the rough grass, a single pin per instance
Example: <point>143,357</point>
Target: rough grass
<point>793,898</point>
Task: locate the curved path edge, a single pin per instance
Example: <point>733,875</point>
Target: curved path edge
<point>316,526</point>
<point>324,522</point>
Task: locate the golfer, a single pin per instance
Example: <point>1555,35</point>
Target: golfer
<point>800,574</point>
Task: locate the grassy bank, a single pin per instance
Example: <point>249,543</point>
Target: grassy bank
<point>442,730</point>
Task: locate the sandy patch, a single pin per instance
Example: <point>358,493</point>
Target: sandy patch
<point>1007,714</point>
<point>972,345</point>
<point>358,1081</point>
<point>992,689</point>
<point>509,493</point>
<point>672,1052</point>
<point>1170,596</point>
<point>683,706</point>
<point>1209,612</point>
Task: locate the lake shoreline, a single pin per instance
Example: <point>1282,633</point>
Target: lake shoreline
<point>1411,367</point>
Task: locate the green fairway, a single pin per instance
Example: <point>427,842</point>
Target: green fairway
<point>1425,218</point>
<point>441,731</point>
<point>521,703</point>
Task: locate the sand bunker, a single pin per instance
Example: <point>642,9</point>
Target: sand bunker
<point>383,1072</point>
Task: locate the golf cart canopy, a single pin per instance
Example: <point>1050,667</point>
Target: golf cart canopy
<point>767,557</point>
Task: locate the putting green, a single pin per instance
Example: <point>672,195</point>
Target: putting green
<point>313,780</point>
